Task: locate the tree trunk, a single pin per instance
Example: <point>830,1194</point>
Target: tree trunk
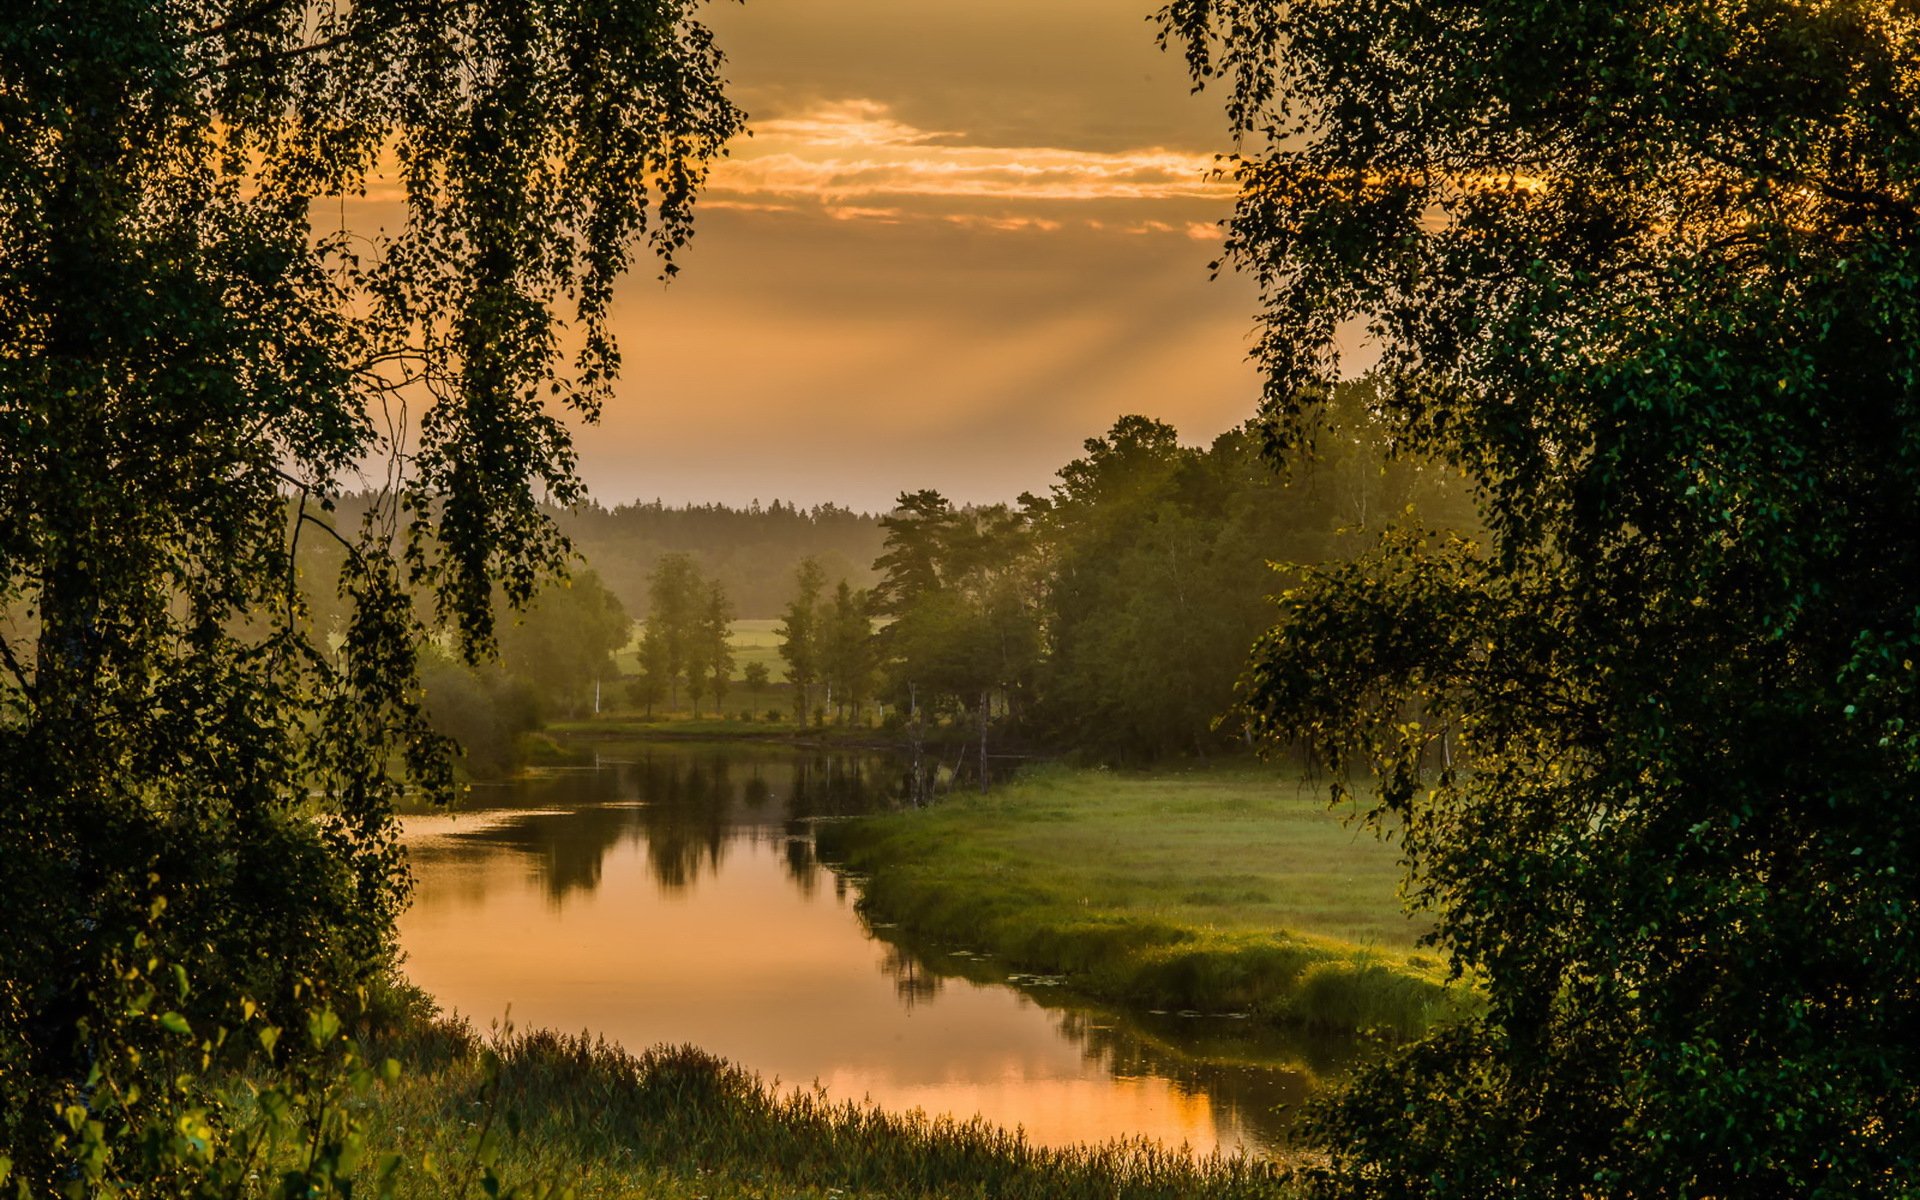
<point>985,701</point>
<point>915,735</point>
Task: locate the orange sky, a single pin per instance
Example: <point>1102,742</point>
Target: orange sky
<point>965,235</point>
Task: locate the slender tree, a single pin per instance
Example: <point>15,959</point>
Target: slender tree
<point>676,596</point>
<point>716,631</point>
<point>699,681</point>
<point>649,687</point>
<point>848,657</point>
<point>800,633</point>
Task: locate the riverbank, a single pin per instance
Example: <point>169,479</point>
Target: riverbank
<point>544,1111</point>
<point>1221,890</point>
<point>721,729</point>
<point>944,746</point>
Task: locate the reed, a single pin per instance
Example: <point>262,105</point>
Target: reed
<point>545,1112</point>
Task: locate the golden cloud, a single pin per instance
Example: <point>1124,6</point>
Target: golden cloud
<point>855,155</point>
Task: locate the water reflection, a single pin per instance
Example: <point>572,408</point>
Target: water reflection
<point>913,981</point>
<point>683,805</point>
<point>673,895</point>
<point>1254,1076</point>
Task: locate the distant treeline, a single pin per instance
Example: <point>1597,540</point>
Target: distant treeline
<point>750,552</point>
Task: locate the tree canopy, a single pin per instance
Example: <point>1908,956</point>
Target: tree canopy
<point>1648,274</point>
<point>197,351</point>
<point>563,644</point>
<point>801,632</point>
<point>1112,616</point>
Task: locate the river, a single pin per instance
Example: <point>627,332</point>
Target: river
<point>673,894</point>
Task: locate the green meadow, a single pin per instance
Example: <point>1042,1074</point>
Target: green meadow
<point>1230,889</point>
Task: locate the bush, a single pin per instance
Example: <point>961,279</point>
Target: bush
<point>484,710</point>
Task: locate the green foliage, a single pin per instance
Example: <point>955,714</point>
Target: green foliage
<point>674,592</point>
<point>1648,275</point>
<point>848,651</point>
<point>562,644</point>
<point>481,709</point>
<point>1164,563</point>
<point>801,634</point>
<point>190,369</point>
<point>653,683</point>
<point>963,594</point>
<point>713,652</point>
<point>1113,615</point>
<point>236,1107</point>
<point>687,637</point>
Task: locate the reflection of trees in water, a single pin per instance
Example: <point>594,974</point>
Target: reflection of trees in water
<point>1261,1099</point>
<point>802,867</point>
<point>684,815</point>
<point>841,785</point>
<point>686,804</point>
<point>1255,1077</point>
<point>913,980</point>
<point>569,834</point>
<point>755,791</point>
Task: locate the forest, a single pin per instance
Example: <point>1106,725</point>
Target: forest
<point>1109,619</point>
<point>1570,551</point>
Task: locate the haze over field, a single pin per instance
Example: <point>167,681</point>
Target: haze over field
<point>963,236</point>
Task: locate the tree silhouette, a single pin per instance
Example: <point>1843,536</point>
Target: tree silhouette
<point>1646,273</point>
<point>193,358</point>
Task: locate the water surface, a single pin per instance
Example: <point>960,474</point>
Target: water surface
<point>673,895</point>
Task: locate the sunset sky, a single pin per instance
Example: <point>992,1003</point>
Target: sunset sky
<point>965,235</point>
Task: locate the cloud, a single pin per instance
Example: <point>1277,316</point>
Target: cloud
<point>848,123</point>
<point>863,212</point>
<point>1006,223</point>
<point>855,157</point>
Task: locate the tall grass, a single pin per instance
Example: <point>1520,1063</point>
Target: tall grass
<point>678,1123</point>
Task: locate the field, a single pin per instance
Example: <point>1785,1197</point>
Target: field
<point>753,641</point>
<point>1231,889</point>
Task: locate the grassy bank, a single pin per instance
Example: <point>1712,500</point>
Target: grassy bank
<point>633,726</point>
<point>544,1111</point>
<point>1214,890</point>
<point>682,727</point>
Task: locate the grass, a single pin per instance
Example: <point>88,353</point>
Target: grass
<point>679,724</point>
<point>1223,890</point>
<point>545,1111</point>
